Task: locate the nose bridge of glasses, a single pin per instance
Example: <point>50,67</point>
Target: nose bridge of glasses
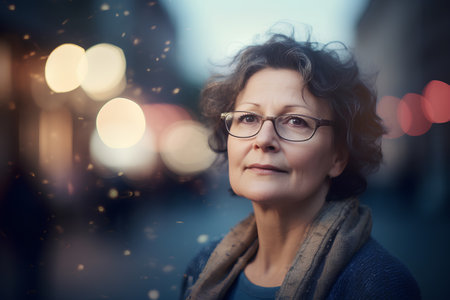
<point>268,118</point>
<point>272,120</point>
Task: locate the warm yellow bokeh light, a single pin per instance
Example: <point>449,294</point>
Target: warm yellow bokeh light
<point>120,123</point>
<point>184,148</point>
<point>62,69</point>
<point>105,75</point>
<point>136,161</point>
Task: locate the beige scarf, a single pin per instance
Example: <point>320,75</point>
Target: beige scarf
<point>336,234</point>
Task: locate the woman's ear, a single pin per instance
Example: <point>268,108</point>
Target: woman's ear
<point>339,162</point>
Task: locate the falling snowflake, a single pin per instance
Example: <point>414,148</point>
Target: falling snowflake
<point>113,193</point>
<point>168,268</point>
<point>202,238</point>
<point>153,294</point>
<point>105,7</point>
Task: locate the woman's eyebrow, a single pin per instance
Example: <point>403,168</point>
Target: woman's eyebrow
<point>296,106</point>
<point>285,106</point>
<point>251,103</point>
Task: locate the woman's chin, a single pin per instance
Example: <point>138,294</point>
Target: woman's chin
<point>263,196</point>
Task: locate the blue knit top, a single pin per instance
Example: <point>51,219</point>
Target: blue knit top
<point>244,289</point>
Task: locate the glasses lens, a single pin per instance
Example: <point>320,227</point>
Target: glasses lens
<point>295,127</point>
<point>243,124</point>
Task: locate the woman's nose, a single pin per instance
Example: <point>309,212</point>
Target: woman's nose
<point>267,138</point>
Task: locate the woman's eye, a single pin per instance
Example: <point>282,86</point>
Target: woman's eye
<point>248,119</point>
<point>296,121</point>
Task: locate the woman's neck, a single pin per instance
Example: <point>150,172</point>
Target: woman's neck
<point>281,231</point>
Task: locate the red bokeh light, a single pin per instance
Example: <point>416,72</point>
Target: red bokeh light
<point>387,110</point>
<point>436,102</point>
<point>411,116</point>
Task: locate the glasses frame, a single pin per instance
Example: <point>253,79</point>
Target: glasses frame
<point>319,122</point>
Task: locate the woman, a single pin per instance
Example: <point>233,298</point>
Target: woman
<point>300,130</point>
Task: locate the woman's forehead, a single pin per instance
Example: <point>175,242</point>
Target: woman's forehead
<point>280,89</point>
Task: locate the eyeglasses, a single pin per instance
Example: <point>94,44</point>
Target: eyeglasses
<point>290,127</point>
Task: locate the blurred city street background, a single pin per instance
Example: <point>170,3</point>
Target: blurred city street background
<point>107,185</point>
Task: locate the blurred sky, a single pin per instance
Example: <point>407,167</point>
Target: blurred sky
<point>211,31</point>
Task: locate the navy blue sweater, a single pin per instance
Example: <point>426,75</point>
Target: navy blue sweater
<point>371,274</point>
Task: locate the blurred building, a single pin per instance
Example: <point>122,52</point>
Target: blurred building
<point>408,44</point>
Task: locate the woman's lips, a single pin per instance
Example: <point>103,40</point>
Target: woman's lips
<point>264,169</point>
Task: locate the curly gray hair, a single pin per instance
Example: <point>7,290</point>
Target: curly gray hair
<point>327,75</point>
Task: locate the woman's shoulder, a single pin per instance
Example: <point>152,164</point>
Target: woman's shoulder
<point>196,266</point>
<point>201,258</point>
<point>373,273</point>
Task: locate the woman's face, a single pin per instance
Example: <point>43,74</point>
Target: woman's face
<point>268,169</point>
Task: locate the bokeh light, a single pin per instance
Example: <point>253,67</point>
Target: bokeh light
<point>153,294</point>
<point>411,116</point>
<point>55,143</point>
<point>387,110</point>
<point>135,162</point>
<point>43,96</point>
<point>184,148</point>
<point>120,123</point>
<point>436,101</point>
<point>62,69</point>
<point>202,238</point>
<point>105,75</point>
<point>159,117</point>
<point>5,72</point>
